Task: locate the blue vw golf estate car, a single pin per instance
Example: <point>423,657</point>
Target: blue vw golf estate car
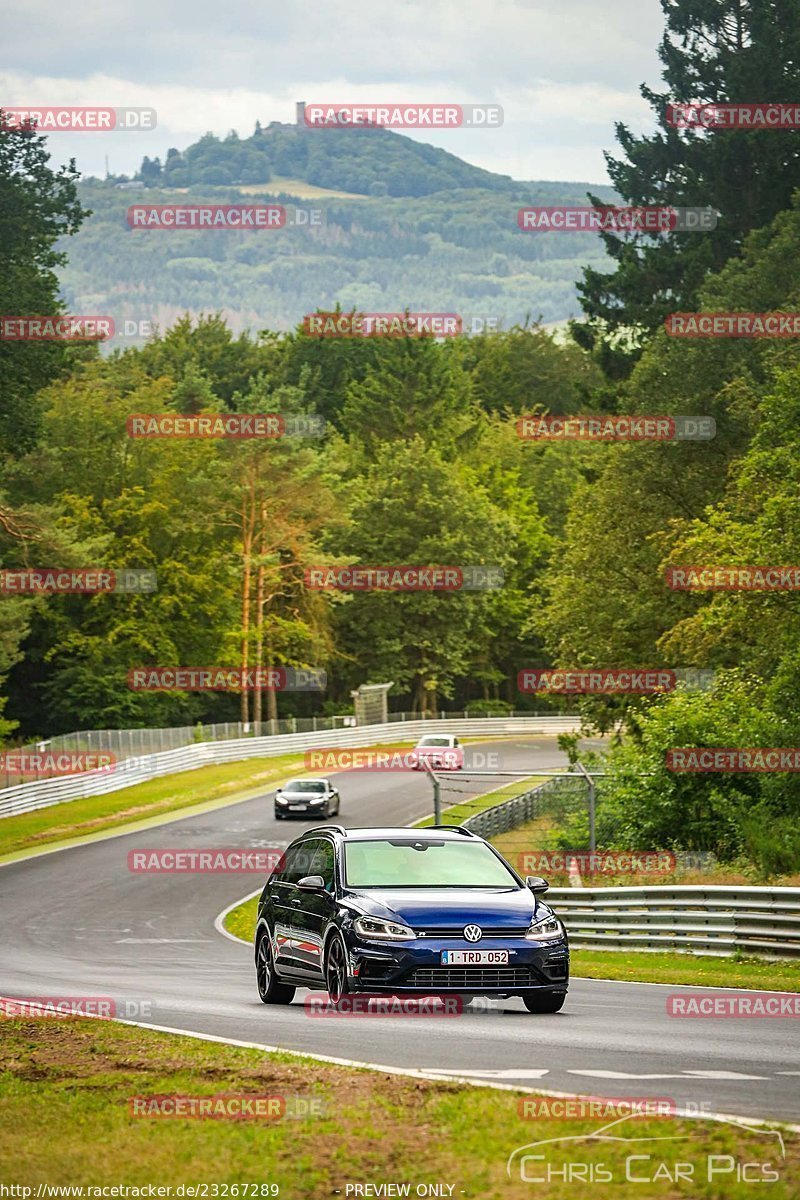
<point>433,911</point>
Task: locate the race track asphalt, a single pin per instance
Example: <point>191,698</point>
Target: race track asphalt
<point>79,922</point>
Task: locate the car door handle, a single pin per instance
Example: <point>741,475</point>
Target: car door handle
<point>295,902</point>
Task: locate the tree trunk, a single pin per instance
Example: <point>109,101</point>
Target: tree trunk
<point>247,562</point>
<point>257,697</point>
<point>272,705</point>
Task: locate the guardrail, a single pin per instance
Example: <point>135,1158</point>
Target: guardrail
<point>694,918</point>
<point>131,743</point>
<point>701,919</point>
<point>27,797</point>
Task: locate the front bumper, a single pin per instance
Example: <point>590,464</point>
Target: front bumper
<point>417,967</point>
<point>303,810</point>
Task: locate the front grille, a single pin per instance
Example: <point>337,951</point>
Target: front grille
<point>473,978</point>
<point>457,931</point>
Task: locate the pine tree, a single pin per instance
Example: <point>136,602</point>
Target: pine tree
<point>713,51</point>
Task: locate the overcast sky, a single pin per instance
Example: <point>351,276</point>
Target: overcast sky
<point>563,70</point>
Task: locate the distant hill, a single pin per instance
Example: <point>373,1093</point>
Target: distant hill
<point>402,225</point>
<point>367,162</point>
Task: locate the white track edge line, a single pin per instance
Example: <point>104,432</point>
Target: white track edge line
<point>419,1073</point>
<point>219,920</point>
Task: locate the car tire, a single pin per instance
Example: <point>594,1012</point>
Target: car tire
<point>336,982</point>
<point>544,1002</point>
<point>270,990</point>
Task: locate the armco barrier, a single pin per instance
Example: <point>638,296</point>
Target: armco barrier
<point>709,919</point>
<point>702,919</point>
<point>27,797</point>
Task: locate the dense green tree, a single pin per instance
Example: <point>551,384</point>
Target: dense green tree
<point>646,805</point>
<point>713,51</point>
<point>38,205</point>
<point>417,506</point>
<point>606,601</point>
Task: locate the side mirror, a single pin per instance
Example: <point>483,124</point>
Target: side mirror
<point>277,790</point>
<point>311,883</point>
<point>537,885</point>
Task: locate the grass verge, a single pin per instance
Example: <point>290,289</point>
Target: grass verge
<point>457,814</point>
<point>241,921</point>
<point>80,1076</point>
<point>545,832</point>
<point>147,801</point>
<point>692,970</point>
<point>77,818</point>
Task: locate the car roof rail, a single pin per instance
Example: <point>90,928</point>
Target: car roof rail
<point>456,828</point>
<point>325,829</point>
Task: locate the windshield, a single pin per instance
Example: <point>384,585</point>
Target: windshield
<point>435,741</point>
<point>305,785</point>
<point>423,864</point>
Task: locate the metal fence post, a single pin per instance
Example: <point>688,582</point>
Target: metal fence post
<point>590,780</point>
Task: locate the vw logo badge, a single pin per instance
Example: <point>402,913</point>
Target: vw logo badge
<point>473,933</point>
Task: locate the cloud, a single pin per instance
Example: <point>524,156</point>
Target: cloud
<point>562,75</point>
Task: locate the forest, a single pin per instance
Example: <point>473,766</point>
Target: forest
<point>417,459</point>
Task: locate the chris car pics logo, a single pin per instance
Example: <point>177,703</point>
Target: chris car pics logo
<point>625,1153</point>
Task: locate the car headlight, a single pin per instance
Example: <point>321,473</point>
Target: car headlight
<point>383,931</point>
<point>318,800</point>
<point>280,800</point>
<point>546,930</point>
